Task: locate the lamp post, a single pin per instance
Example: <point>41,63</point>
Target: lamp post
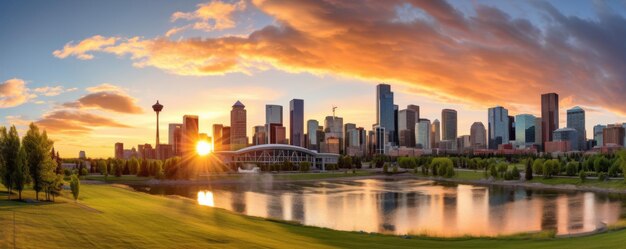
<point>157,108</point>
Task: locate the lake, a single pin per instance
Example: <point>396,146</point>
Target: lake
<point>414,207</point>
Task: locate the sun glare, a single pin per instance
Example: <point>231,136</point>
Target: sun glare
<point>203,148</point>
<point>205,198</point>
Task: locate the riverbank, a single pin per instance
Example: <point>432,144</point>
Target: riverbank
<point>113,217</point>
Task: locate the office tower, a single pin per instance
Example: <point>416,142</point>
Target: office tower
<point>379,139</point>
<point>395,124</point>
<point>119,150</point>
<point>613,134</point>
<point>576,120</point>
<point>280,135</point>
<point>407,119</point>
<point>549,115</point>
<point>538,134</point>
<point>217,137</point>
<point>349,135</point>
<point>238,127</point>
<point>422,134</point>
<point>435,134</point>
<point>334,129</point>
<point>478,136</point>
<point>498,126</point>
<point>567,134</point>
<point>296,122</point>
<point>226,130</point>
<point>448,125</point>
<point>597,134</point>
<point>82,155</point>
<point>512,128</point>
<point>189,134</point>
<point>416,109</point>
<point>463,143</point>
<point>273,120</point>
<point>259,136</point>
<point>311,130</point>
<point>175,137</point>
<point>385,109</point>
<point>525,130</point>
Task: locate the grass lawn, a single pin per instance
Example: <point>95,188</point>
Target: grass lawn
<point>469,175</point>
<point>614,184</point>
<point>114,217</point>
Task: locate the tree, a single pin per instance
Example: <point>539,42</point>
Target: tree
<point>538,166</point>
<point>20,175</point>
<point>133,166</point>
<point>38,151</point>
<point>102,167</point>
<point>10,150</point>
<point>549,168</point>
<point>143,169</point>
<point>75,186</point>
<point>529,170</point>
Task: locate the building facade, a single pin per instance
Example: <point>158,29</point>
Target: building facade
<point>407,119</point>
<point>576,120</point>
<point>189,134</point>
<point>525,130</point>
<point>569,135</point>
<point>422,134</point>
<point>448,124</point>
<point>549,115</point>
<point>296,122</point>
<point>385,109</point>
<point>311,130</point>
<point>435,133</point>
<point>238,126</point>
<point>478,136</point>
<point>498,126</point>
<point>597,134</point>
<point>613,134</point>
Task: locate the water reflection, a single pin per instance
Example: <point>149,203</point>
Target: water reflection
<point>413,206</point>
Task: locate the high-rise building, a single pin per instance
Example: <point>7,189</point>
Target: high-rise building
<point>379,139</point>
<point>435,134</point>
<point>226,138</point>
<point>238,126</point>
<point>478,136</point>
<point>189,134</point>
<point>280,135</point>
<point>407,119</point>
<point>259,136</point>
<point>217,137</point>
<point>416,109</point>
<point>525,130</point>
<point>334,129</point>
<point>597,134</point>
<point>463,143</point>
<point>422,134</point>
<point>273,121</point>
<point>82,155</point>
<point>296,122</point>
<point>385,109</point>
<point>395,125</point>
<point>175,137</point>
<point>119,151</point>
<point>448,125</point>
<point>576,120</point>
<point>512,128</point>
<point>549,115</point>
<point>567,134</point>
<point>538,132</point>
<point>498,127</point>
<point>350,138</point>
<point>613,134</point>
<point>312,130</point>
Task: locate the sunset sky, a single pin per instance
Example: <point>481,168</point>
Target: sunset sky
<point>88,72</point>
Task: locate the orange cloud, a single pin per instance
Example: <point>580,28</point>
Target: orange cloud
<point>215,15</point>
<point>486,59</point>
<point>107,97</point>
<point>64,121</point>
<point>13,92</point>
<point>80,50</point>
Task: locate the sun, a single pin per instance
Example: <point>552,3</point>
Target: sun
<point>203,148</point>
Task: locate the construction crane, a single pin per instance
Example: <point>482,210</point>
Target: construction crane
<point>334,107</point>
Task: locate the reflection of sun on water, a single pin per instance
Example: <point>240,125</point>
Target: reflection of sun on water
<point>205,198</point>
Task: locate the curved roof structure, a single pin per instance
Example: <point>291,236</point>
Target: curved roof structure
<point>275,147</point>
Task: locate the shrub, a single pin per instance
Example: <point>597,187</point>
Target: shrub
<point>602,176</point>
<point>425,170</point>
<point>502,168</point>
<point>305,166</point>
<point>571,168</point>
<point>83,172</point>
<point>583,176</point>
<point>67,172</point>
<point>394,169</point>
<point>386,168</point>
<point>614,170</point>
<point>538,166</point>
<point>549,168</point>
<point>493,172</point>
<point>601,164</point>
<point>515,173</point>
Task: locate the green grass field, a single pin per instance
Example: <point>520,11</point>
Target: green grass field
<point>115,217</point>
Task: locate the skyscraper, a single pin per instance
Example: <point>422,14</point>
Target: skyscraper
<point>385,109</point>
<point>416,109</point>
<point>334,130</point>
<point>190,134</point>
<point>525,130</point>
<point>435,134</point>
<point>311,130</point>
<point>259,136</point>
<point>217,137</point>
<point>119,151</point>
<point>512,128</point>
<point>538,132</point>
<point>395,124</point>
<point>567,134</point>
<point>238,127</point>
<point>422,134</point>
<point>478,136</point>
<point>296,122</point>
<point>273,121</point>
<point>613,134</point>
<point>549,115</point>
<point>576,120</point>
<point>448,125</point>
<point>498,126</point>
<point>349,135</point>
<point>597,134</point>
<point>407,119</point>
<point>175,137</point>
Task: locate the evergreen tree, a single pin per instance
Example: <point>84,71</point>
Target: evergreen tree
<point>75,186</point>
<point>20,175</point>
<point>529,170</point>
<point>10,150</point>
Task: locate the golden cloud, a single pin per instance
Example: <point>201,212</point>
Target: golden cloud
<point>75,121</point>
<point>107,97</point>
<point>14,92</point>
<point>214,15</point>
<point>486,59</point>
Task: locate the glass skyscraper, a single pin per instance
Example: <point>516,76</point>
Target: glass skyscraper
<point>448,125</point>
<point>576,120</point>
<point>597,134</point>
<point>311,130</point>
<point>422,134</point>
<point>385,110</point>
<point>498,130</point>
<point>296,122</point>
<point>549,115</point>
<point>525,130</point>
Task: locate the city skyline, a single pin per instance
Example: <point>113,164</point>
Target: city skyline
<point>57,80</point>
